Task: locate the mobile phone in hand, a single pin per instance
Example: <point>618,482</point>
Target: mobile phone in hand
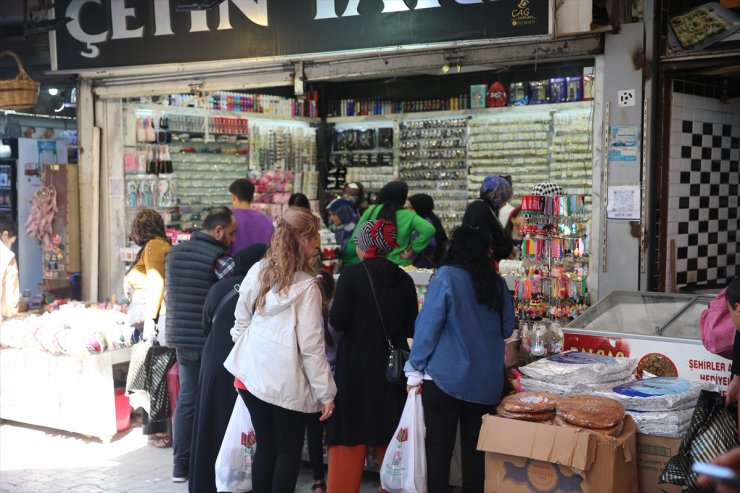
<point>720,474</point>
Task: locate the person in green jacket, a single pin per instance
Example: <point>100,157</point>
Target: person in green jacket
<point>391,207</point>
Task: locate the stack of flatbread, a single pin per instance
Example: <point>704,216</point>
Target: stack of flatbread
<point>595,413</point>
<point>528,406</point>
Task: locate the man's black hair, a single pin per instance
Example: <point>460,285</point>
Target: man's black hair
<point>243,189</point>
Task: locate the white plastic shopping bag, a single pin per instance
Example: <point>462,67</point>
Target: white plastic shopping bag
<point>404,468</point>
<point>234,461</point>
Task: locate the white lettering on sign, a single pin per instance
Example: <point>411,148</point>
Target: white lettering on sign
<point>121,15</point>
<point>76,31</point>
<point>162,24</point>
<point>327,9</point>
<point>254,10</point>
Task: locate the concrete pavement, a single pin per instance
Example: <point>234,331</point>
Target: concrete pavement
<point>36,460</point>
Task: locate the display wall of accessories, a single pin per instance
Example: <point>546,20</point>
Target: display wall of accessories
<point>533,145</point>
<point>554,268</point>
<point>290,148</point>
<point>432,159</point>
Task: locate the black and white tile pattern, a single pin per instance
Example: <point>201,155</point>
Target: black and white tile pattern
<point>704,178</point>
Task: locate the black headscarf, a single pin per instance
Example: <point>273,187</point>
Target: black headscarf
<point>392,198</point>
<point>423,204</point>
<point>247,257</point>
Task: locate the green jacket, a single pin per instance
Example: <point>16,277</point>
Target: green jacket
<point>407,221</point>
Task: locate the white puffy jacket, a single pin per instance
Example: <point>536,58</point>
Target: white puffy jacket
<point>279,352</point>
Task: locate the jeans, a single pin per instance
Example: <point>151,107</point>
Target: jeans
<point>441,416</point>
<point>279,434</point>
<point>189,360</point>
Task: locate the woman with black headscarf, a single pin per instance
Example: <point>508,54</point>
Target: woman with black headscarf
<point>482,214</point>
<point>216,394</point>
<point>432,255</point>
<point>391,207</point>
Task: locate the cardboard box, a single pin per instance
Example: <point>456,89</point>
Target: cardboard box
<point>652,455</point>
<point>525,457</point>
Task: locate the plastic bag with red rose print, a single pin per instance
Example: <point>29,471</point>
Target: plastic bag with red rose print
<point>234,461</point>
<point>404,468</point>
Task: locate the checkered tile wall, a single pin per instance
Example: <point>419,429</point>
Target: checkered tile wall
<point>703,189</point>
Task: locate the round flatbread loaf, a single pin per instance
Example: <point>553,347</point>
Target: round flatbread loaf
<point>614,431</point>
<point>590,411</point>
<point>529,402</point>
<point>544,416</point>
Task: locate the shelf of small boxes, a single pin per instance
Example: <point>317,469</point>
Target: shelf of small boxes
<point>432,160</point>
<point>533,144</point>
<point>362,152</point>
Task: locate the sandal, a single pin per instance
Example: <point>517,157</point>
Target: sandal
<point>161,441</point>
<point>319,487</point>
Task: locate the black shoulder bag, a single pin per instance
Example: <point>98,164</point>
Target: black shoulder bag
<point>396,357</point>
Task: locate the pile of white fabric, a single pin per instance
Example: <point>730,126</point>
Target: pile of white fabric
<point>574,372</point>
<point>660,406</point>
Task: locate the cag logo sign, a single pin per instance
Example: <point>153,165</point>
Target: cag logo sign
<point>521,14</point>
<point>521,9</point>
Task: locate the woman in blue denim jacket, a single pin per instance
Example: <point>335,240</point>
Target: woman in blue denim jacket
<point>458,355</point>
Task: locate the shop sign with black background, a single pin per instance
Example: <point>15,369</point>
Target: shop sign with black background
<point>115,33</point>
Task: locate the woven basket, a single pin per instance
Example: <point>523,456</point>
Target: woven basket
<point>20,92</point>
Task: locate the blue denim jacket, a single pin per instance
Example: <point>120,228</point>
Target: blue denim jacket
<point>458,342</point>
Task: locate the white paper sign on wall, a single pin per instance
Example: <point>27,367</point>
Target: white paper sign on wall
<point>626,97</point>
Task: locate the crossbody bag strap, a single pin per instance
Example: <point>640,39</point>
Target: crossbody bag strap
<point>377,306</point>
<point>228,297</point>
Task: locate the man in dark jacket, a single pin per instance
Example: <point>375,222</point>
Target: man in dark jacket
<point>192,267</point>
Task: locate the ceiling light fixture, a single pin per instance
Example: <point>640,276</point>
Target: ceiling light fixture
<point>445,68</point>
<point>190,5</point>
<point>53,91</point>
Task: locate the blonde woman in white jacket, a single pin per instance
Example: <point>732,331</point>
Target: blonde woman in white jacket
<point>279,353</point>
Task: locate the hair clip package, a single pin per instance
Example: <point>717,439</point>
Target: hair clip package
<point>539,91</point>
<point>518,94</point>
<point>574,88</point>
<point>558,90</point>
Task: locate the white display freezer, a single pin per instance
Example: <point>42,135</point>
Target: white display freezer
<point>660,330</point>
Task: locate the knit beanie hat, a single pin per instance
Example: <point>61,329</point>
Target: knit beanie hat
<point>377,238</point>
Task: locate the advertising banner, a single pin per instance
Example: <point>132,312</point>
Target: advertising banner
<point>117,33</point>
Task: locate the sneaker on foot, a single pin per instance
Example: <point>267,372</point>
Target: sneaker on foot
<point>179,474</point>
